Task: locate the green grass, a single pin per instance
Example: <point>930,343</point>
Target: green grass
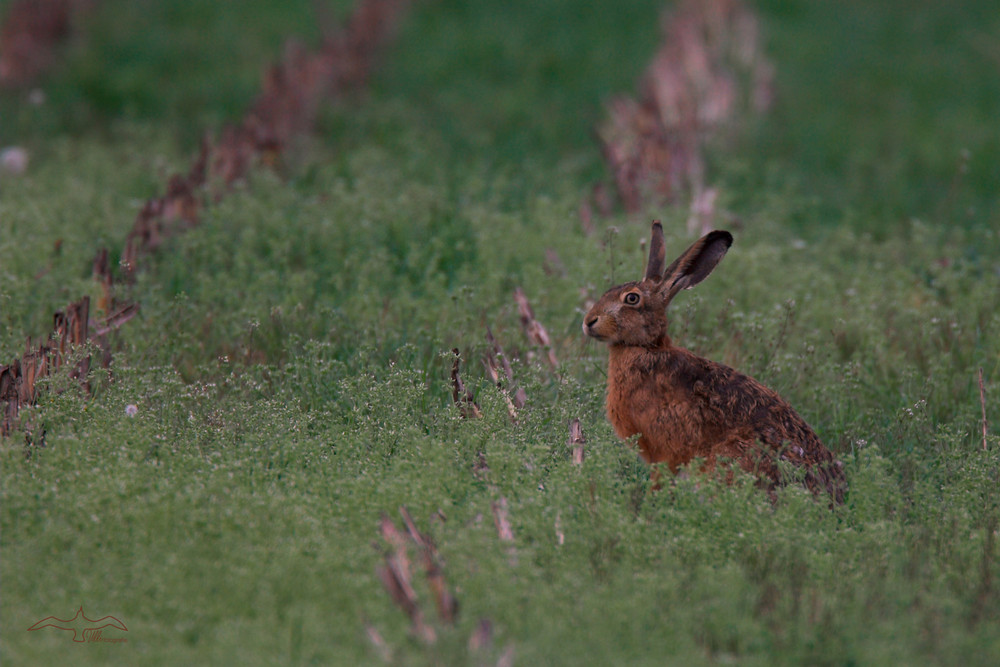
<point>290,362</point>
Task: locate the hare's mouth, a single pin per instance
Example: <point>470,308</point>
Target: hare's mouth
<point>590,327</point>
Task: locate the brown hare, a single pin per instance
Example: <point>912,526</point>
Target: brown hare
<point>685,407</point>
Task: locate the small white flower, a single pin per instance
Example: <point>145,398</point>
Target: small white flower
<point>131,410</point>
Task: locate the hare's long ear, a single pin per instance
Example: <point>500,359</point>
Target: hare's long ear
<point>657,253</point>
<point>695,263</point>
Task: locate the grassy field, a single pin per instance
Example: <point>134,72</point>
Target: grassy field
<point>290,366</point>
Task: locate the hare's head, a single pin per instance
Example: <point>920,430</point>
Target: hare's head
<point>636,313</point>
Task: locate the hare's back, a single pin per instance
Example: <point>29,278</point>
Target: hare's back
<point>767,428</point>
<point>739,402</point>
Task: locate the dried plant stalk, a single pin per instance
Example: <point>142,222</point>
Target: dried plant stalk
<point>576,441</point>
<point>30,35</point>
<point>709,70</point>
<point>444,601</point>
<point>533,328</point>
<point>396,579</point>
<point>502,521</point>
<point>18,380</point>
<point>496,360</point>
<point>481,638</point>
<point>506,658</point>
<point>462,396</point>
<point>497,355</point>
<point>380,644</point>
<point>396,575</point>
<point>982,404</point>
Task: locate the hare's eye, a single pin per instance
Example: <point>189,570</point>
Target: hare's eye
<point>631,298</point>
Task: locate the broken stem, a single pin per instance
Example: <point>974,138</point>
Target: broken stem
<point>982,403</point>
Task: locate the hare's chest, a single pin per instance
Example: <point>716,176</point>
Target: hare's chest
<point>620,407</point>
<point>651,386</point>
<point>636,395</point>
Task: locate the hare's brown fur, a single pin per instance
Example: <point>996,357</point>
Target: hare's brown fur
<point>683,406</point>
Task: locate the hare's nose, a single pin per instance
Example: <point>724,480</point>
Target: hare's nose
<point>592,321</point>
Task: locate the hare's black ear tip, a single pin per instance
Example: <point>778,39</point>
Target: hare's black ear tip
<point>656,226</point>
<point>720,235</point>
